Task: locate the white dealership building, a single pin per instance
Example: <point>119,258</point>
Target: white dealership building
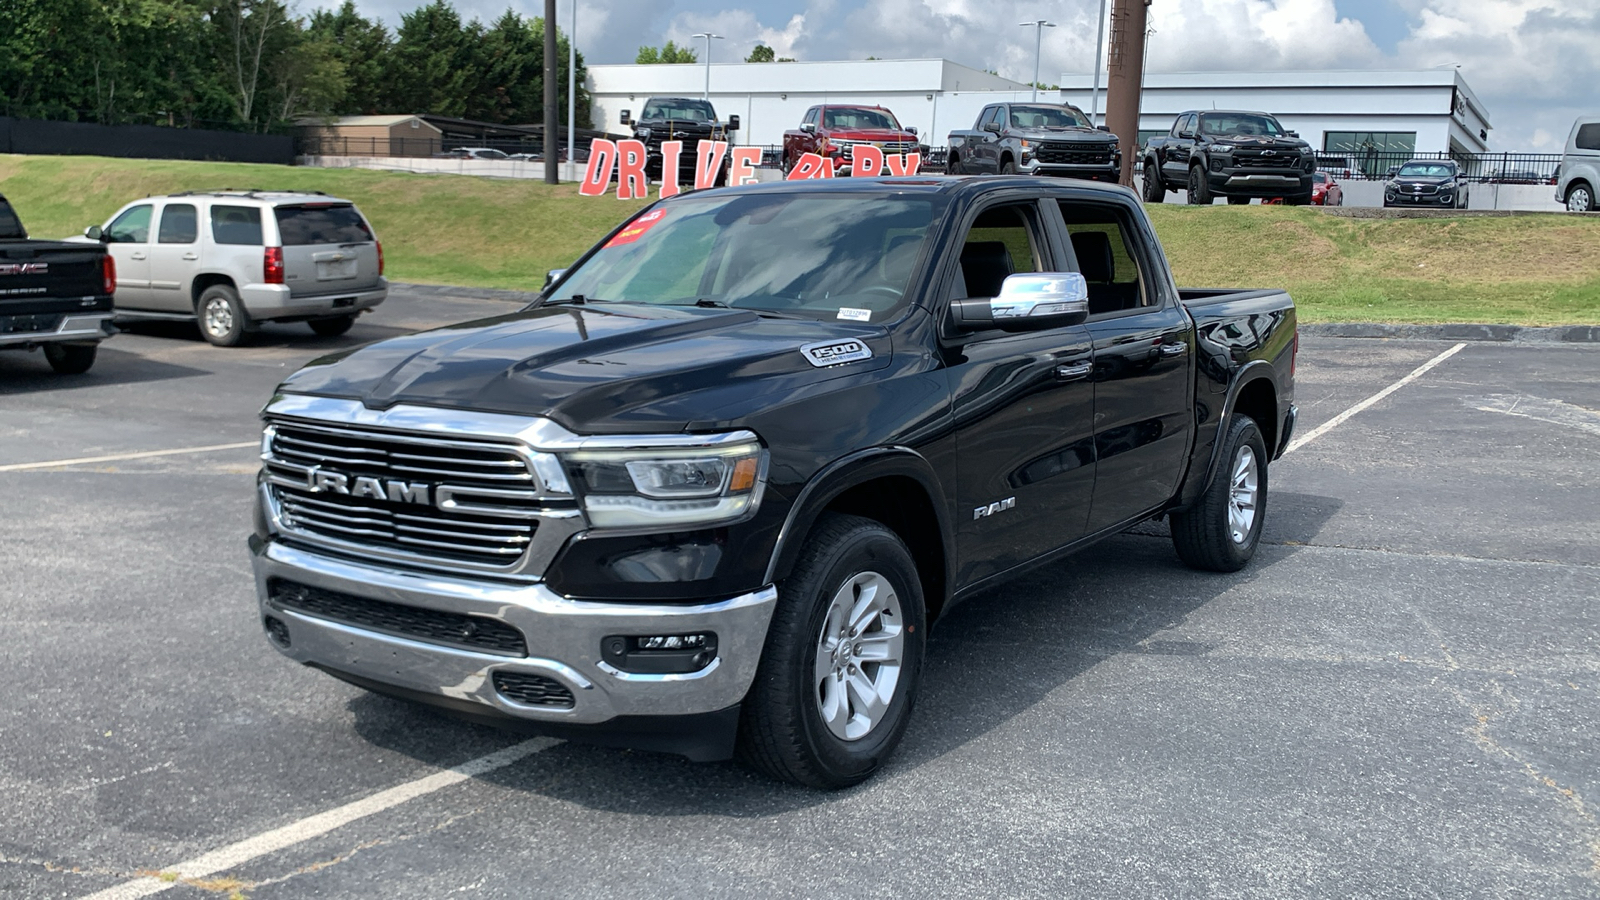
<point>1423,111</point>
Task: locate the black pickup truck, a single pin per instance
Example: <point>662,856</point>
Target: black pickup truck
<point>679,119</point>
<point>1227,153</point>
<point>1034,139</point>
<point>707,495</point>
<point>55,295</point>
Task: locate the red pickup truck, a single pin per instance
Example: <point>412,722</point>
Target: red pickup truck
<point>830,132</point>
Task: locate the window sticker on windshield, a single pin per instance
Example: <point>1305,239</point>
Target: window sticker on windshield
<point>855,315</point>
<point>637,228</point>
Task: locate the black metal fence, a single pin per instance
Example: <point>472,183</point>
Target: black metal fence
<point>58,138</point>
<point>1500,168</point>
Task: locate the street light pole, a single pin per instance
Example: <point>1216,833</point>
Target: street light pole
<point>1038,44</point>
<point>551,104</point>
<point>572,84</point>
<point>1099,49</point>
<point>708,36</point>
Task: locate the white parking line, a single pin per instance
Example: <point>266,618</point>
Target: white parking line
<point>1341,418</point>
<point>118,457</point>
<point>250,848</point>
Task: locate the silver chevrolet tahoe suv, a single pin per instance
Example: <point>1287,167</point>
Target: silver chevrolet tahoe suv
<point>233,259</point>
<point>1579,176</point>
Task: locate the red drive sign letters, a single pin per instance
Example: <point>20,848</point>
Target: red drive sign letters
<point>624,161</point>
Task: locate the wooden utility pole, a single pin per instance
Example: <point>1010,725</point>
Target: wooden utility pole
<point>552,115</point>
<point>1126,63</point>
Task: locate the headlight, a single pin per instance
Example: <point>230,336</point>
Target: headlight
<point>647,488</point>
<point>642,134</point>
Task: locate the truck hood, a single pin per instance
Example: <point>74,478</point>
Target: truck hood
<point>1409,180</point>
<point>871,134</point>
<point>595,369</point>
<point>1259,142</point>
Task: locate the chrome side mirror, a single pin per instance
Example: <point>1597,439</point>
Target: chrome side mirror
<point>809,127</point>
<point>552,276</point>
<point>1027,302</point>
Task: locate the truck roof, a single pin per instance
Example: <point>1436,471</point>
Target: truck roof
<point>933,184</point>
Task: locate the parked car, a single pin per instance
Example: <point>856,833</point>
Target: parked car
<point>233,259</point>
<point>832,132</point>
<point>679,119</point>
<point>1578,179</point>
<point>477,153</point>
<point>1034,139</point>
<point>54,295</point>
<point>708,493</point>
<point>1229,153</point>
<point>1434,183</point>
<point>1516,176</point>
<point>1325,191</point>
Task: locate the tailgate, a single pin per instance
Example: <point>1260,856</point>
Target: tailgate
<point>327,249</point>
<point>46,276</point>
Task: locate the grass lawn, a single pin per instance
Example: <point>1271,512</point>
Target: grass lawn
<point>483,232</point>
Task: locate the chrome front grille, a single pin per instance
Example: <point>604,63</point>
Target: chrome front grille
<point>407,497</point>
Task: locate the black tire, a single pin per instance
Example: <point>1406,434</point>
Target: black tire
<point>1199,189</point>
<point>1298,199</point>
<point>332,327</point>
<point>1154,190</point>
<point>953,165</point>
<point>222,318</point>
<point>782,732</point>
<point>1008,168</point>
<point>1238,201</point>
<point>1204,534</point>
<point>70,359</point>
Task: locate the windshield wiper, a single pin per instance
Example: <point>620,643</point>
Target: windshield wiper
<point>575,300</point>
<point>707,303</point>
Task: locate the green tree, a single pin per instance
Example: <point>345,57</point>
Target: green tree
<point>431,69</point>
<point>667,53</point>
<point>254,34</point>
<point>762,53</point>
<point>362,47</point>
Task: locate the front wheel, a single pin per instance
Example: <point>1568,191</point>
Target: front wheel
<point>1154,190</point>
<point>1199,190</point>
<point>1008,168</point>
<point>1220,531</point>
<point>839,672</point>
<point>70,359</point>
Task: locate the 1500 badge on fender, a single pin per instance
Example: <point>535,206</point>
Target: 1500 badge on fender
<point>830,353</point>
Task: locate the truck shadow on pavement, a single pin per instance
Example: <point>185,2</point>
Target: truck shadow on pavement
<point>28,373</point>
<point>989,660</point>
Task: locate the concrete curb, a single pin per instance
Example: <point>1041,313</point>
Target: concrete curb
<point>450,291</point>
<point>1463,331</point>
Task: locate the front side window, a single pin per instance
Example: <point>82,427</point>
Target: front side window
<point>239,225</point>
<point>1003,241</point>
<point>179,224</point>
<point>1102,241</point>
<point>843,256</point>
<point>321,223</point>
<point>132,227</point>
<point>811,116</point>
<point>1240,123</point>
<point>992,116</point>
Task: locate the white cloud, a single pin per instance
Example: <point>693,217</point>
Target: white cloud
<point>741,32</point>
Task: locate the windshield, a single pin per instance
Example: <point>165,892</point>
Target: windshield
<point>1426,170</point>
<point>10,227</point>
<point>860,118</point>
<point>681,110</point>
<point>821,256</point>
<point>1240,123</point>
<point>1047,117</point>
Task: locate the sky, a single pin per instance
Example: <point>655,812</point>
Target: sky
<point>1535,64</point>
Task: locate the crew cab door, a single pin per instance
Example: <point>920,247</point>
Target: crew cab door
<point>1143,344</point>
<point>1175,153</point>
<point>127,239</point>
<point>174,258</point>
<point>1022,404</point>
<point>986,143</point>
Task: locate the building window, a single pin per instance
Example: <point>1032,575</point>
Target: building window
<point>1372,153</point>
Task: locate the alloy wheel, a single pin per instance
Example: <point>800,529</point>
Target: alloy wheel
<point>858,656</point>
<point>218,316</point>
<point>1243,496</point>
<point>1579,200</point>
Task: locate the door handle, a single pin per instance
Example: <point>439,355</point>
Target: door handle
<point>1169,350</point>
<point>191,256</point>
<point>136,255</point>
<point>1073,372</point>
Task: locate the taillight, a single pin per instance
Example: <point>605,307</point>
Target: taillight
<point>108,275</point>
<point>272,265</point>
<point>380,256</point>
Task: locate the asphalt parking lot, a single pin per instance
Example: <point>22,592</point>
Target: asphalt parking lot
<point>1399,698</point>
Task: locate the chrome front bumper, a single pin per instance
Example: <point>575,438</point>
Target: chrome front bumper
<point>85,327</point>
<point>563,638</point>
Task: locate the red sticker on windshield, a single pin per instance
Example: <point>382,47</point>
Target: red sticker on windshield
<point>637,228</point>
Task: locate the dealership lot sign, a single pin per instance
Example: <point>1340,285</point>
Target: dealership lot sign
<point>624,161</point>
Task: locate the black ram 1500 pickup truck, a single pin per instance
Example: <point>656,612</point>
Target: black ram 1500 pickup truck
<point>53,294</point>
<point>708,493</point>
<point>1226,153</point>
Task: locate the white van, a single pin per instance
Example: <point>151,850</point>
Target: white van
<point>232,259</point>
<point>1579,176</point>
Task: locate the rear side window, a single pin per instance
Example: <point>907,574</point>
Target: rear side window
<point>10,226</point>
<point>132,227</point>
<point>301,225</point>
<point>1588,136</point>
<point>236,225</point>
<point>179,224</point>
<point>1102,242</point>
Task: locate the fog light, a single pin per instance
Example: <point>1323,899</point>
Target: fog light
<point>277,632</point>
<point>659,654</point>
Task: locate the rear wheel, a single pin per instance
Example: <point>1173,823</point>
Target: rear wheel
<point>1199,190</point>
<point>70,359</point>
<point>1298,199</point>
<point>838,675</point>
<point>953,166</point>
<point>1221,530</point>
<point>332,327</point>
<point>1580,198</point>
<point>1154,190</point>
<point>223,320</point>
